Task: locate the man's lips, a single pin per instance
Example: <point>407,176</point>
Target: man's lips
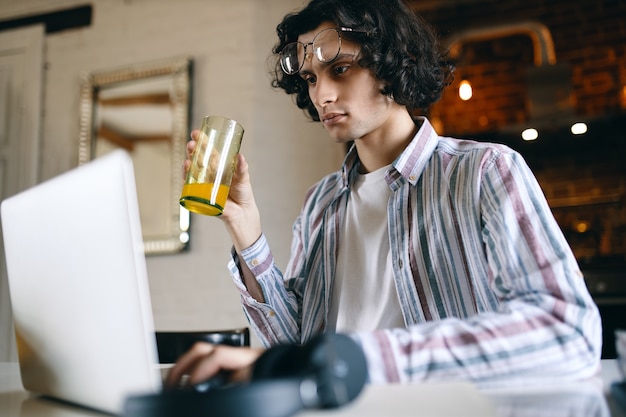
<point>330,118</point>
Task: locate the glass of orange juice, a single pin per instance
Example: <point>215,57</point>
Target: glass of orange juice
<point>212,165</point>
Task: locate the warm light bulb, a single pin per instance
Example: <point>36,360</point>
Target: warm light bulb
<point>465,90</point>
<point>582,227</point>
<point>530,134</point>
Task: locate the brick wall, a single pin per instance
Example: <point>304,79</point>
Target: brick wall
<point>584,178</point>
<point>589,36</point>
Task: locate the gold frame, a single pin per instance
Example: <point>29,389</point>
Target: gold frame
<point>179,70</point>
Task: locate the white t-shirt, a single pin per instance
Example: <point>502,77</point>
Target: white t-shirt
<point>364,292</point>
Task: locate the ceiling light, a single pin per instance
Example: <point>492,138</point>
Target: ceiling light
<point>530,134</point>
<point>579,128</point>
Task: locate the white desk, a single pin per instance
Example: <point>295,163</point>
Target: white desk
<point>584,399</point>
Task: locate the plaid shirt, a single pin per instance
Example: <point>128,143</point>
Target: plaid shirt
<point>488,285</point>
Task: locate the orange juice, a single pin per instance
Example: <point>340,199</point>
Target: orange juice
<point>202,198</point>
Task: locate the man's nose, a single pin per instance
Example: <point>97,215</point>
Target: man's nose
<point>325,92</point>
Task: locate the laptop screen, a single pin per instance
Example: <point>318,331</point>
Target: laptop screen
<point>79,288</point>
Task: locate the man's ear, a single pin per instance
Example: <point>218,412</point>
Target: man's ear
<point>385,90</point>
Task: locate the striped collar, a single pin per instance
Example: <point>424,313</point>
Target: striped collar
<point>410,163</point>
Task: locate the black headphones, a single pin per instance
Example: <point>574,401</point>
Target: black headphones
<point>327,372</point>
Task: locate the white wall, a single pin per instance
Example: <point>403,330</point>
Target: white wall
<point>229,43</point>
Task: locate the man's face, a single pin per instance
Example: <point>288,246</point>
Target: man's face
<point>347,97</point>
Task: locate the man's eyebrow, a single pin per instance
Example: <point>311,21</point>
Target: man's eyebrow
<point>345,55</point>
<point>324,65</point>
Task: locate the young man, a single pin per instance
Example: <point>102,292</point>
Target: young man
<point>439,256</point>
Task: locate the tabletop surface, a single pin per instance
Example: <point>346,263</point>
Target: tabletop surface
<point>590,398</point>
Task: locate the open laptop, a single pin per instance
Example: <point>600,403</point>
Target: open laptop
<point>79,288</point>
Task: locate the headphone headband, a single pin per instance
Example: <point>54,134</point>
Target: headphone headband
<point>327,372</point>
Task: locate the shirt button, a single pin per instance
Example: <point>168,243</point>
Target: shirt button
<point>271,313</point>
<point>412,177</point>
<point>400,263</point>
<point>254,262</point>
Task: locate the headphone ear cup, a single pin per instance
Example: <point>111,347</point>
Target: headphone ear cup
<point>280,361</point>
<point>334,363</point>
<point>339,366</point>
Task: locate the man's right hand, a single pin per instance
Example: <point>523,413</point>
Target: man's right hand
<point>241,215</point>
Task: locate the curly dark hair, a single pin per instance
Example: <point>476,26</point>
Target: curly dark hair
<point>400,49</point>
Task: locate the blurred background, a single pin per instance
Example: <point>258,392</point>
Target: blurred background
<point>546,77</point>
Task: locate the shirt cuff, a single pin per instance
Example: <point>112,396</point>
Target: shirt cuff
<point>257,257</point>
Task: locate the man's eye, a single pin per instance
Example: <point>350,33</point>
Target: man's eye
<point>309,79</point>
<point>340,69</point>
